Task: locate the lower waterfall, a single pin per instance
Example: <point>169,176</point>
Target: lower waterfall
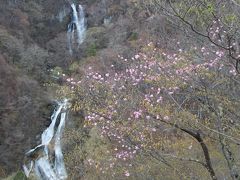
<point>43,166</point>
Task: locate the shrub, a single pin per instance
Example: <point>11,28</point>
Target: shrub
<point>20,176</point>
<point>133,36</point>
<point>92,50</point>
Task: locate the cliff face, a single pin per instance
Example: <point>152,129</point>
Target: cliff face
<point>22,115</point>
<point>25,106</point>
<point>33,40</point>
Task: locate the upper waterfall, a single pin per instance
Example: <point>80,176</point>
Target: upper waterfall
<point>77,23</point>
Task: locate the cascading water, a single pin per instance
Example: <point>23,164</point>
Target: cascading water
<point>43,167</point>
<point>78,23</point>
<point>82,25</point>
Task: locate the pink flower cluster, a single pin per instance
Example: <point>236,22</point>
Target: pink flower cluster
<point>121,99</point>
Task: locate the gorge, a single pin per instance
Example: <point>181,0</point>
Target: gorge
<point>119,89</point>
<point>43,168</point>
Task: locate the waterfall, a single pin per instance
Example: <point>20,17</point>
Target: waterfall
<point>77,23</point>
<point>82,25</point>
<point>59,163</point>
<point>43,163</point>
<point>43,166</point>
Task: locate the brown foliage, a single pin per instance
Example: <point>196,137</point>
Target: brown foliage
<point>20,116</point>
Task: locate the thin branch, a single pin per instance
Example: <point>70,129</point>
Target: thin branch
<point>193,28</point>
<point>235,3</point>
<point>186,159</point>
<point>196,135</point>
<point>235,140</point>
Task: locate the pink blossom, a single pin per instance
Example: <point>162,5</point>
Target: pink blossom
<point>159,99</point>
<point>137,114</point>
<point>166,118</point>
<point>127,173</point>
<point>137,56</point>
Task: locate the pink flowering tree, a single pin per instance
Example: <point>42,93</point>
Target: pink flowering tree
<point>214,22</point>
<point>178,108</point>
<point>156,99</point>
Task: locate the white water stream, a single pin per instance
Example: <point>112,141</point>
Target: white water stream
<point>44,168</point>
<point>77,23</point>
<point>47,158</point>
